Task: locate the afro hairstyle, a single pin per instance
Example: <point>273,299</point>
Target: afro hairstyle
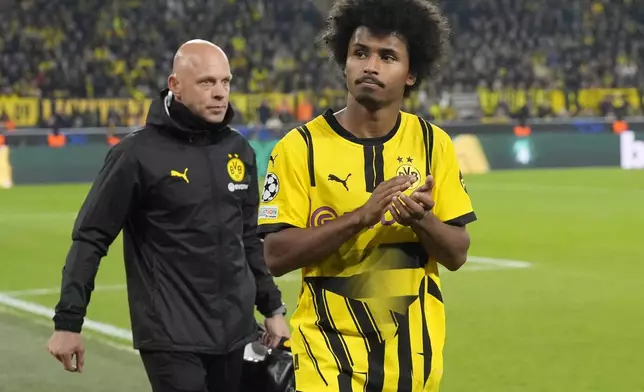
<point>418,21</point>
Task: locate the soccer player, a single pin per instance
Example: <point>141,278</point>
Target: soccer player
<point>367,202</point>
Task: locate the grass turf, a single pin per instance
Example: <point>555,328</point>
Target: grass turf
<point>571,322</point>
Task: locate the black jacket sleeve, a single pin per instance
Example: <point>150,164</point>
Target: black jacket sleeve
<point>269,298</point>
<point>99,222</point>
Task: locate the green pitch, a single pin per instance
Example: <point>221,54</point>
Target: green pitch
<point>551,300</point>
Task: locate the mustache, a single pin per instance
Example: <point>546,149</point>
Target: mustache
<point>370,79</point>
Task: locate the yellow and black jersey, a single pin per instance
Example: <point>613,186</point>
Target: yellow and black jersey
<point>370,317</point>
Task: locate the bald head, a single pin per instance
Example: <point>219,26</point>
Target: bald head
<point>193,53</point>
<point>201,79</point>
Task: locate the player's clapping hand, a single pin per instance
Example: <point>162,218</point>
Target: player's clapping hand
<point>407,209</point>
<point>381,198</point>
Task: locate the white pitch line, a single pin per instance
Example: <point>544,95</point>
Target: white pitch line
<point>39,310</point>
<point>56,290</point>
<point>491,263</point>
<point>46,322</point>
<point>113,331</point>
<point>120,347</point>
<point>474,263</point>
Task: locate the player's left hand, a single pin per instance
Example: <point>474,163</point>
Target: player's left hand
<point>276,329</point>
<point>407,209</point>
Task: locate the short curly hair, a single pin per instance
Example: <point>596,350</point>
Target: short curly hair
<point>418,21</point>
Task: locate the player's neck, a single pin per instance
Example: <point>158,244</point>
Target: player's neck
<point>364,124</point>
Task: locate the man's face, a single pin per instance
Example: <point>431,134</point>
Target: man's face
<point>377,68</point>
<point>204,86</point>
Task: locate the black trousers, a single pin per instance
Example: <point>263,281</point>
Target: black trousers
<point>190,372</point>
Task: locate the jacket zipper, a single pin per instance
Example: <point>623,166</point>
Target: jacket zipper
<point>213,183</point>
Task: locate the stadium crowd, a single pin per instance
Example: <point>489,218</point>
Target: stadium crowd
<point>92,48</point>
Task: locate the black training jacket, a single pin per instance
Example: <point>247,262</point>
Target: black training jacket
<point>187,203</point>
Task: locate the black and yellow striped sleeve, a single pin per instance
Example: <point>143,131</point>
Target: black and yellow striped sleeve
<point>453,205</point>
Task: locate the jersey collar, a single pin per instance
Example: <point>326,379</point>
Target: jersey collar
<point>339,129</point>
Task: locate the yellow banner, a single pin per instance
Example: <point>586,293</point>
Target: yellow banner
<point>23,111</point>
<point>136,111</point>
<point>27,112</point>
<point>592,98</point>
<point>586,99</point>
<point>515,99</point>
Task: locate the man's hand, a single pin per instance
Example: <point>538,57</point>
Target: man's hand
<point>381,198</point>
<point>276,329</point>
<point>64,346</point>
<point>409,209</point>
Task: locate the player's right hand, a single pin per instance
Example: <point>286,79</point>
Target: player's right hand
<point>65,346</point>
<point>373,210</point>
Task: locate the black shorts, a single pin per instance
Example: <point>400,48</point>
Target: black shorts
<point>190,372</point>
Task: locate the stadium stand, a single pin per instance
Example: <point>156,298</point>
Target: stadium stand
<point>509,58</point>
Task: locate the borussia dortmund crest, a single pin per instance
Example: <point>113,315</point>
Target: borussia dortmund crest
<point>409,170</point>
<point>236,168</point>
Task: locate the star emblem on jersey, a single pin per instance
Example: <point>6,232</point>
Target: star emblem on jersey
<point>400,159</point>
<point>271,187</point>
<point>410,159</point>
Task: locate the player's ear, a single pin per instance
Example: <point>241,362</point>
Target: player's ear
<point>411,80</point>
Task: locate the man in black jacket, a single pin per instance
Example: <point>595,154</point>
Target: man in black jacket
<point>184,189</point>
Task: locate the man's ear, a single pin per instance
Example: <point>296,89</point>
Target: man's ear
<point>174,85</point>
<point>411,80</point>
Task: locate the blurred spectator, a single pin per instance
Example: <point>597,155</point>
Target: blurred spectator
<point>56,139</point>
<point>274,124</point>
<point>6,123</point>
<point>285,112</point>
<point>264,112</point>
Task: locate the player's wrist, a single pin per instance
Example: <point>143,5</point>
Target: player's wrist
<point>427,222</point>
<point>357,219</point>
<point>281,311</point>
<point>418,217</point>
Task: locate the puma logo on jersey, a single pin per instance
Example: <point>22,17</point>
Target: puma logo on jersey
<point>183,175</point>
<point>334,178</point>
<point>271,159</point>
